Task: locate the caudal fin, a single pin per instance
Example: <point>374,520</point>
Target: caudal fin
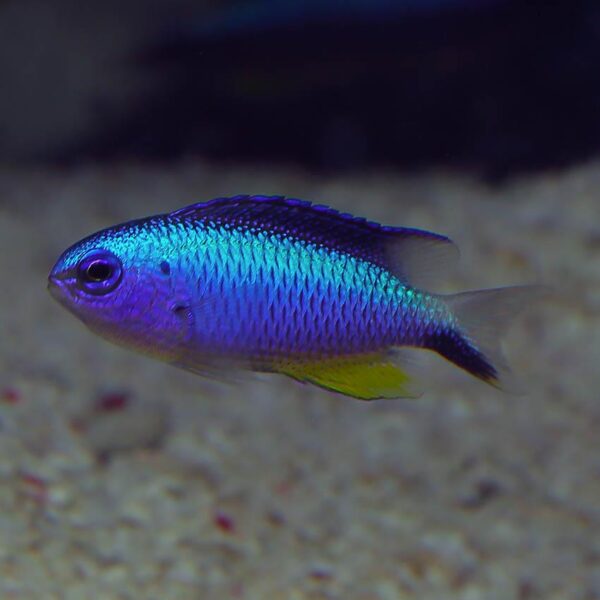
<point>483,318</point>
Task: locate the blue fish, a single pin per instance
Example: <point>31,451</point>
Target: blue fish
<point>281,285</point>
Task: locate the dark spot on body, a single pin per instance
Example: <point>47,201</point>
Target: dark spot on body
<point>165,268</point>
<point>183,312</point>
<point>180,309</point>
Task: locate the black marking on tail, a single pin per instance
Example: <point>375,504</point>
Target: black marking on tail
<point>452,345</point>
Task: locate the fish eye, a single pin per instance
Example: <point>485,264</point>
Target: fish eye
<point>99,272</point>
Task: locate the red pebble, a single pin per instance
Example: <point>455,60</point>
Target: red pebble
<point>112,401</point>
<point>11,395</point>
<point>224,522</point>
<point>34,487</point>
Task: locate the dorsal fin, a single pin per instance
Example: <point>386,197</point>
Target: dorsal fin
<point>410,254</point>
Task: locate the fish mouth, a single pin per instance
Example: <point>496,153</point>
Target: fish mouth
<point>56,288</point>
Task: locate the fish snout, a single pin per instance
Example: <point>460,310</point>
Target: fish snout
<point>56,287</point>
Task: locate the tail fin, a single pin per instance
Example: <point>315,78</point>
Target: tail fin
<point>483,317</point>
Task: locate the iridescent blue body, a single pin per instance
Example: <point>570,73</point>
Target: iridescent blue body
<point>268,284</point>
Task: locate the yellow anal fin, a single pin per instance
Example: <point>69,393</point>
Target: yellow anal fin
<point>366,376</point>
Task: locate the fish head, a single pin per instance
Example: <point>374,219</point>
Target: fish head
<point>116,283</point>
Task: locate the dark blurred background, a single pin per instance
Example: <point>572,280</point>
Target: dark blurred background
<point>494,87</point>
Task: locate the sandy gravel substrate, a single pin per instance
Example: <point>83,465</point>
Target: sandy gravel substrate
<point>125,478</point>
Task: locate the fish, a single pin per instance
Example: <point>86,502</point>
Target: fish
<point>281,285</point>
